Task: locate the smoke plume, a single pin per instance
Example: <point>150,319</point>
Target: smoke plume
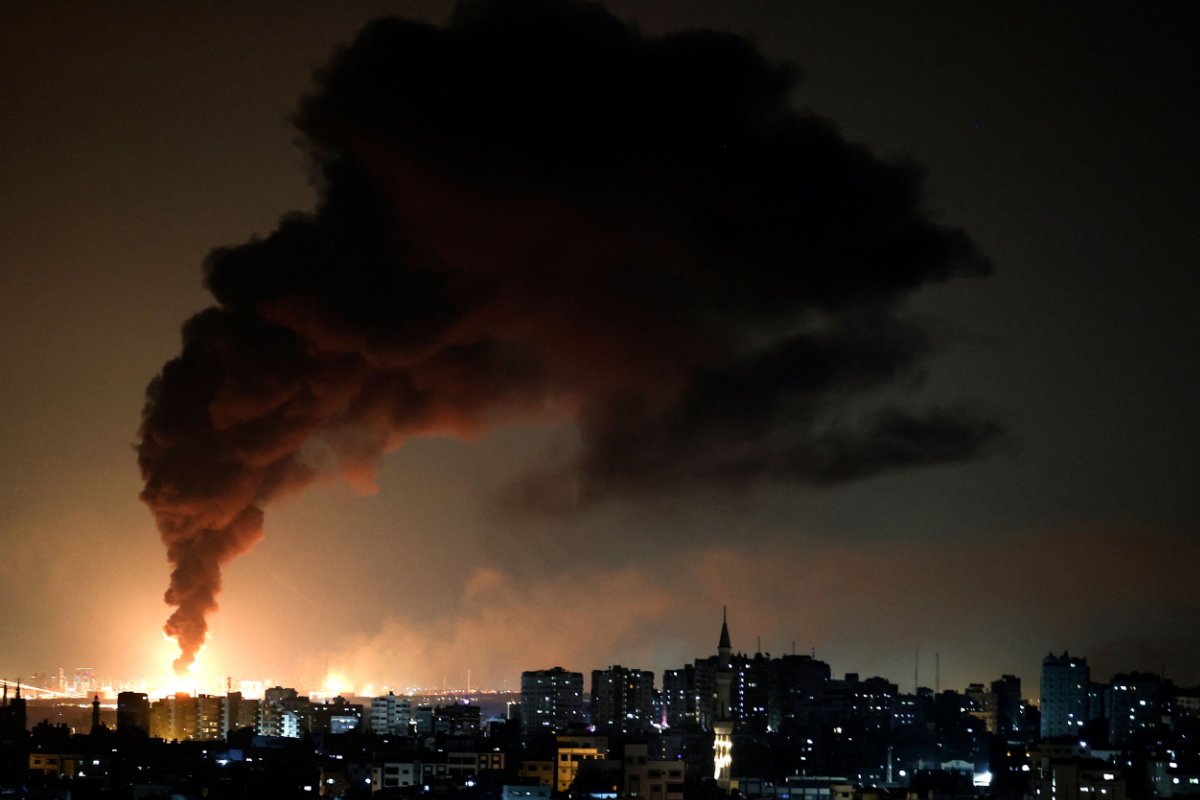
<point>536,212</point>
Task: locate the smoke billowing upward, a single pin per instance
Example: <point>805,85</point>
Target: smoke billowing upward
<point>537,212</point>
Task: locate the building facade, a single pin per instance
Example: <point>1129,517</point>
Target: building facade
<point>551,701</point>
<point>622,700</point>
<point>1064,706</point>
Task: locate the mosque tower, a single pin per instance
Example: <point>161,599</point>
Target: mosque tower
<point>12,714</point>
<point>722,713</point>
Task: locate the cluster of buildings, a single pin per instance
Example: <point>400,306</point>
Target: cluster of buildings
<point>1117,712</point>
<point>284,712</point>
<point>730,724</point>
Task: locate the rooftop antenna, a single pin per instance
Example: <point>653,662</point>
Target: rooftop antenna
<point>758,644</point>
<point>937,673</point>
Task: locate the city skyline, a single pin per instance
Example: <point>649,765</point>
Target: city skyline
<point>83,681</point>
<point>1057,141</point>
<point>723,725</point>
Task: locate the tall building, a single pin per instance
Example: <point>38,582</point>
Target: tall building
<point>210,717</point>
<point>796,689</point>
<point>284,712</point>
<point>174,718</point>
<point>239,712</point>
<point>423,719</point>
<point>551,701</point>
<point>1064,706</point>
<point>983,706</point>
<point>622,699</point>
<point>750,694</point>
<point>687,694</point>
<point>1007,691</point>
<point>133,713</point>
<point>391,714</point>
<point>680,700</point>
<point>874,702</point>
<point>1136,706</point>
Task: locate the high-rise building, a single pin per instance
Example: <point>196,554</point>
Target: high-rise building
<point>1007,690</point>
<point>210,718</point>
<point>1064,705</point>
<point>679,696</point>
<point>174,718</point>
<point>133,713</point>
<point>284,712</point>
<point>750,694</point>
<point>391,714</point>
<point>1136,705</point>
<point>162,719</point>
<point>688,692</point>
<point>240,712</point>
<point>983,706</point>
<point>796,688</point>
<point>551,701</point>
<point>874,704</point>
<point>622,699</point>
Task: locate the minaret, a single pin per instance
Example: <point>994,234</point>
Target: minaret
<point>17,707</point>
<point>724,649</point>
<point>95,714</point>
<point>722,714</point>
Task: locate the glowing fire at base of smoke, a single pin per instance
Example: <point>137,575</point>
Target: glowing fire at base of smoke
<point>190,681</point>
<point>335,683</point>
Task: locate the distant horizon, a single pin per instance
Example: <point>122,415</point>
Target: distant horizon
<point>1030,685</point>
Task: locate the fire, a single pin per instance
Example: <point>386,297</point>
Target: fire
<point>190,682</point>
<point>336,683</point>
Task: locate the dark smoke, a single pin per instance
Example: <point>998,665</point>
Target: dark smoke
<point>537,211</point>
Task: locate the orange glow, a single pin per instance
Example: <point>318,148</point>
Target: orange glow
<point>193,682</point>
<point>335,683</point>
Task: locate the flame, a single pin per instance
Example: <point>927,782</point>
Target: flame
<point>190,682</point>
<point>336,683</point>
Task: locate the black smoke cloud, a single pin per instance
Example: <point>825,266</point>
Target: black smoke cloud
<point>536,212</point>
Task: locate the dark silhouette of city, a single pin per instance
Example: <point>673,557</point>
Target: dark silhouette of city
<point>726,725</point>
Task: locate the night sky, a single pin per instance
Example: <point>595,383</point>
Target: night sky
<point>874,323</point>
